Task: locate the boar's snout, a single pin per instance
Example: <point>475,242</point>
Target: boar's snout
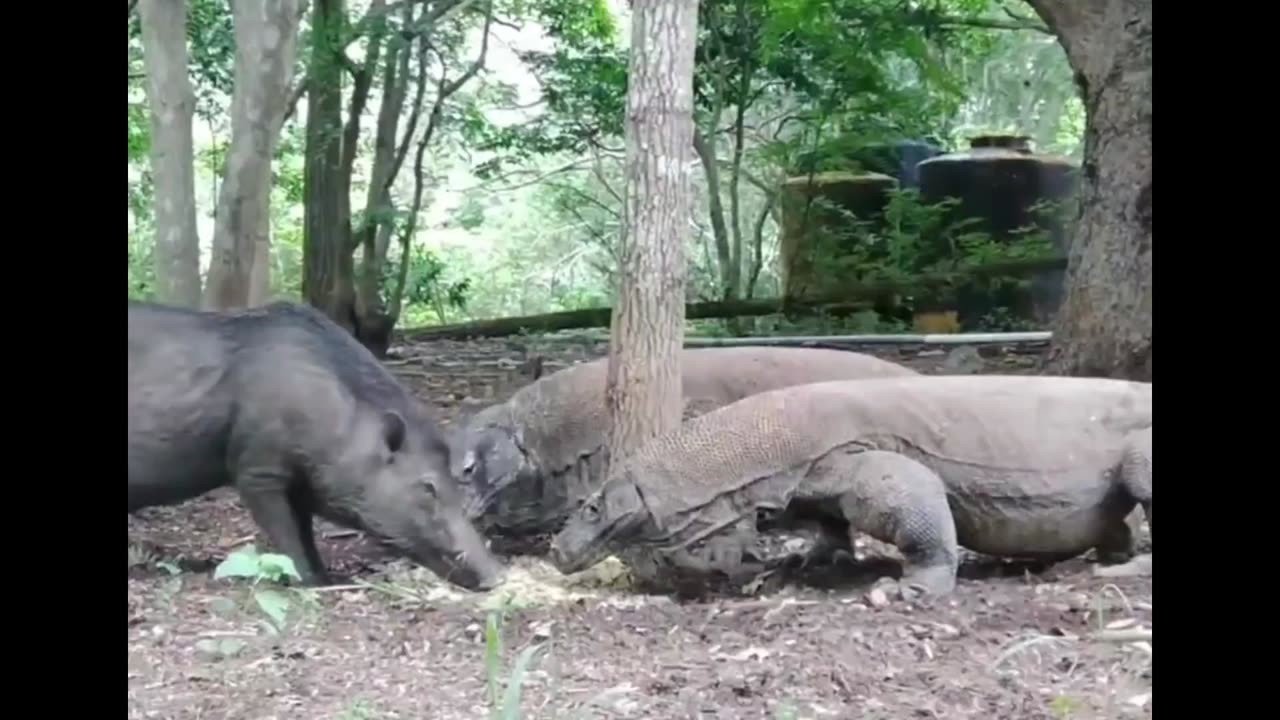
<point>466,560</point>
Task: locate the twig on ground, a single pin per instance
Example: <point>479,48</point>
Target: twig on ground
<point>411,373</point>
<point>226,633</point>
<point>1128,635</point>
<point>239,541</point>
<point>393,590</point>
<point>338,588</point>
<point>1121,636</point>
<point>403,361</point>
<point>1120,593</point>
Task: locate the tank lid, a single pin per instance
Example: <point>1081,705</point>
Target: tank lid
<point>1017,143</point>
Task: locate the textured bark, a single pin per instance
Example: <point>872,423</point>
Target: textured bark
<point>266,34</point>
<point>1103,327</point>
<point>328,280</point>
<point>172,103</point>
<point>643,387</point>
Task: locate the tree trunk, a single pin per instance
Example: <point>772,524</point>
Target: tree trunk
<point>172,105</point>
<point>1103,327</point>
<point>328,278</point>
<point>706,151</point>
<point>266,34</point>
<point>643,387</point>
<point>373,237</point>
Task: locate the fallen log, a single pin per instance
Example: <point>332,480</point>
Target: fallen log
<point>855,297</point>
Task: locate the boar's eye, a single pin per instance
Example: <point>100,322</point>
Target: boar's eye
<point>429,487</point>
<point>591,512</point>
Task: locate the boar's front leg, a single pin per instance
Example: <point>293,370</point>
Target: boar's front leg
<point>284,519</point>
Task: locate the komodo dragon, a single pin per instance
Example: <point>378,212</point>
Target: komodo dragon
<point>526,463</point>
<point>1022,466</point>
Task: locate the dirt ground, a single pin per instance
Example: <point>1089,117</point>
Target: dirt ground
<point>394,642</point>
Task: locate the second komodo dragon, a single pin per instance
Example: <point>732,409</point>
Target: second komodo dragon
<point>526,463</point>
<point>1017,466</point>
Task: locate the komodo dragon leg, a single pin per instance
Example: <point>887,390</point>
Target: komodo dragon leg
<point>1135,470</point>
<point>896,500</point>
<point>1135,478</point>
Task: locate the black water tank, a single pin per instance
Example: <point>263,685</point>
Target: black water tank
<point>899,160</point>
<point>998,181</point>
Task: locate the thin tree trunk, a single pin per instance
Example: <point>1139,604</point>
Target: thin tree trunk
<point>746,69</point>
<point>735,208</point>
<point>643,387</point>
<point>374,233</point>
<point>172,106</point>
<point>266,34</point>
<point>705,147</point>
<point>328,280</point>
<point>757,244</point>
<point>1103,327</point>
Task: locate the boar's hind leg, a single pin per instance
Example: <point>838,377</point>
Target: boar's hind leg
<point>897,500</point>
<point>285,520</point>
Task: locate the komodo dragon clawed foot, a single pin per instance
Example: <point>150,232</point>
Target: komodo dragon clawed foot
<point>896,500</point>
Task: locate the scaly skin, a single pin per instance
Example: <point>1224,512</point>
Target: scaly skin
<point>528,462</point>
<point>1019,466</point>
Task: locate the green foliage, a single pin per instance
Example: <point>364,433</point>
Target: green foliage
<point>584,88</point>
<point>359,710</point>
<point>211,55</point>
<point>1021,85</point>
<point>818,81</point>
<point>504,698</point>
<point>139,132</point>
<point>247,563</point>
<point>429,284</point>
<point>142,277</point>
<point>911,237</point>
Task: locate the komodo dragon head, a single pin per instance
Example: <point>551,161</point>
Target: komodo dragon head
<point>614,513</point>
<point>488,453</point>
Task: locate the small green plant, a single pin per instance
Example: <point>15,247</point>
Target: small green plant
<point>504,702</point>
<point>358,710</point>
<point>246,562</point>
<point>1063,706</point>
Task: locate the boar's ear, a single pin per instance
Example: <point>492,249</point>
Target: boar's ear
<point>394,430</point>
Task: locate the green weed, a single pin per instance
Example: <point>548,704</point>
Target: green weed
<point>277,605</point>
<point>504,698</point>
